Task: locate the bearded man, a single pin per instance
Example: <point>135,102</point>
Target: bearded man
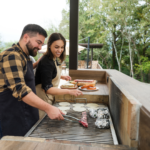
<point>18,99</point>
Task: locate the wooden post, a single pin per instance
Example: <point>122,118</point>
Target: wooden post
<point>73,49</point>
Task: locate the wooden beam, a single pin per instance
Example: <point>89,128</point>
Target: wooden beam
<point>73,49</point>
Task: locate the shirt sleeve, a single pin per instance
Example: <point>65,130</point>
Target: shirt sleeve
<point>46,70</point>
<point>12,70</point>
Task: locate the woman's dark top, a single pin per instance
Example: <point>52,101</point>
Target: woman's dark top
<point>45,72</point>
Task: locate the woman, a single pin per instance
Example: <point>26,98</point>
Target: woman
<point>48,72</point>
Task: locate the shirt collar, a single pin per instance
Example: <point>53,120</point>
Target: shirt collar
<point>55,59</point>
<point>21,50</point>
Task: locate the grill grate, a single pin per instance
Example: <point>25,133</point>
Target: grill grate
<point>65,130</point>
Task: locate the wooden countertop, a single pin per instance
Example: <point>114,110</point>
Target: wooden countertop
<point>29,143</point>
<point>139,90</point>
<point>103,89</point>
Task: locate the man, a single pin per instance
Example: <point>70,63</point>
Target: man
<point>18,101</point>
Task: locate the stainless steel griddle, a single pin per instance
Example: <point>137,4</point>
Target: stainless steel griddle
<point>71,131</point>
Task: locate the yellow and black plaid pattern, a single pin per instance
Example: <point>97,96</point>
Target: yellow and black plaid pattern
<point>12,71</point>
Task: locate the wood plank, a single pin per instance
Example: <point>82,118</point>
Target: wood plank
<point>125,113</point>
<point>5,144</point>
<point>25,145</point>
<point>144,131</point>
<point>98,75</point>
<point>107,147</point>
<point>21,138</point>
<point>106,89</point>
<point>89,148</point>
<point>136,88</point>
<point>55,146</point>
<point>69,142</point>
<point>91,99</point>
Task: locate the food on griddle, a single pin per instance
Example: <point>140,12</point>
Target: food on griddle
<point>64,108</point>
<point>78,105</point>
<point>102,123</point>
<point>79,108</point>
<point>102,113</point>
<point>83,120</point>
<point>92,105</point>
<point>64,104</point>
<point>65,113</point>
<point>93,113</point>
<point>92,108</point>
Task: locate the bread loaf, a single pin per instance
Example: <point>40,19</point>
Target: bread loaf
<point>84,83</point>
<point>68,85</point>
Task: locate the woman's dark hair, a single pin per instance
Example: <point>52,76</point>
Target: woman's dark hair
<point>32,30</point>
<point>54,37</point>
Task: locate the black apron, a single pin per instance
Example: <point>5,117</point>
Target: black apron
<point>17,117</point>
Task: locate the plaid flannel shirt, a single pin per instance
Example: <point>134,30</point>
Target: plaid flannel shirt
<point>13,67</point>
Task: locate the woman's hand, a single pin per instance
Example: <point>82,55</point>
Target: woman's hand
<point>67,78</point>
<point>36,63</point>
<point>75,92</point>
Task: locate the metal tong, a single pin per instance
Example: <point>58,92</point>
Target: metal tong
<point>71,117</point>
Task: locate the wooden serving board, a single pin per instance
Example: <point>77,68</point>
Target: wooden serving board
<point>68,88</point>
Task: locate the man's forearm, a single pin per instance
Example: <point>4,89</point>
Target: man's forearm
<point>35,101</point>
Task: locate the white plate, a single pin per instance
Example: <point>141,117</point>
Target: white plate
<point>85,89</point>
<point>79,109</point>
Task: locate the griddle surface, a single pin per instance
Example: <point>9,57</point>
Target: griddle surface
<point>66,130</point>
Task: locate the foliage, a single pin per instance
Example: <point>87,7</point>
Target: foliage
<point>122,26</point>
<point>145,65</point>
<point>64,25</point>
<point>51,29</point>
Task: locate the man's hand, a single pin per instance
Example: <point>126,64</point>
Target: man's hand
<point>75,92</point>
<point>54,113</point>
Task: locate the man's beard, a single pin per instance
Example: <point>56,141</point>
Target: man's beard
<point>31,49</point>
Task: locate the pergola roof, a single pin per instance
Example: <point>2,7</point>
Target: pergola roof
<point>92,45</point>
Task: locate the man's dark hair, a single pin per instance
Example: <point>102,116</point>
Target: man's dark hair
<point>32,30</point>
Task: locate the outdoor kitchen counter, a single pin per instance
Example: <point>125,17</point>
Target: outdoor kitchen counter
<point>30,143</point>
<point>99,96</point>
